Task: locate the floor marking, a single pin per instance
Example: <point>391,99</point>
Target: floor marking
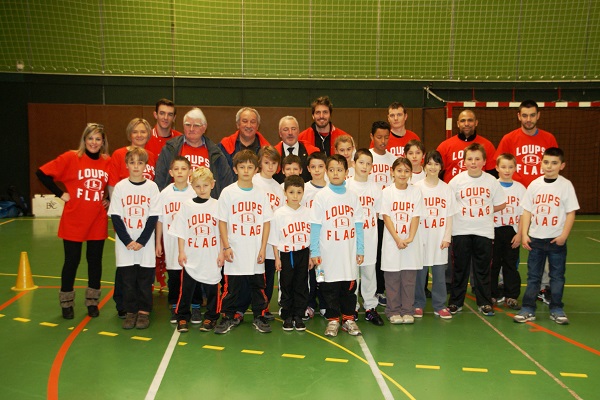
<point>111,334</point>
<point>53,378</point>
<point>385,364</point>
<point>162,367</point>
<point>58,277</point>
<point>572,375</point>
<point>6,222</point>
<point>519,372</point>
<point>219,348</point>
<point>181,343</point>
<point>337,360</point>
<point>2,315</point>
<point>19,319</point>
<point>13,299</point>
<point>595,240</point>
<point>287,355</point>
<point>524,353</point>
<point>50,324</point>
<point>111,238</point>
<point>467,369</point>
<point>427,366</point>
<point>257,352</point>
<point>141,338</point>
<point>385,390</point>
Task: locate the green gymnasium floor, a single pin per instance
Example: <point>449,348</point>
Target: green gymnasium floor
<point>470,356</point>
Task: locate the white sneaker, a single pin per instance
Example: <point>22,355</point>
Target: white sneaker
<point>322,311</point>
<point>408,319</point>
<point>351,327</point>
<point>332,328</point>
<point>396,319</point>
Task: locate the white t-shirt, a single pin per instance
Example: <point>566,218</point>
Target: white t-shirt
<point>197,224</point>
<point>401,206</point>
<point>350,173</point>
<point>275,195</point>
<point>169,202</point>
<point>380,173</point>
<point>337,214</point>
<point>475,200</point>
<point>512,213</point>
<point>417,177</point>
<point>370,198</point>
<point>134,204</point>
<point>310,191</point>
<point>290,229</point>
<point>245,212</point>
<point>439,206</point>
<point>549,204</point>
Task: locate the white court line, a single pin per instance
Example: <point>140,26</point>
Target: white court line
<point>533,360</point>
<point>595,240</point>
<point>385,390</point>
<point>162,368</point>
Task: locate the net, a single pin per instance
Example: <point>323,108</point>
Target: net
<point>479,40</point>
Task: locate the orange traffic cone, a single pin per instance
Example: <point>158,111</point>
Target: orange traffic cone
<point>24,278</point>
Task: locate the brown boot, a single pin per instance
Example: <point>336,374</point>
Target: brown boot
<point>66,304</point>
<point>91,301</point>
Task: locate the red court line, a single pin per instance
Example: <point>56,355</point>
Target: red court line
<point>15,298</point>
<point>62,352</point>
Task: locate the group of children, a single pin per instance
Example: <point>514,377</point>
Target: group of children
<point>330,224</point>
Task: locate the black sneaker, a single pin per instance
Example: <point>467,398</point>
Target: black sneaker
<point>182,326</point>
<point>208,325</point>
<point>453,308</point>
<point>173,318</point>
<point>299,324</point>
<point>121,314</point>
<point>261,325</point>
<point>238,318</point>
<point>224,326</point>
<point>381,299</point>
<point>373,317</point>
<point>196,316</point>
<point>268,316</point>
<point>288,324</point>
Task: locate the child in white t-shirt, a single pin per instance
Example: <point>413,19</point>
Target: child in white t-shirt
<point>344,145</point>
<point>414,151</point>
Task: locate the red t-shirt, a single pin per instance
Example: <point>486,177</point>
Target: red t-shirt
<point>156,142</point>
<point>528,150</point>
<point>396,143</point>
<point>198,156</point>
<point>452,151</point>
<point>83,218</point>
<point>118,169</point>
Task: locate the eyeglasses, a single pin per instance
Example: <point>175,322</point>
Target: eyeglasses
<point>193,126</point>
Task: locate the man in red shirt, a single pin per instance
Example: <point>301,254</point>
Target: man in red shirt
<point>247,136</point>
<point>399,135</point>
<point>164,113</point>
<point>322,133</point>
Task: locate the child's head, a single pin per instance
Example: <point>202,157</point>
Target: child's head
<point>433,163</point>
<point>337,167</point>
<point>291,165</point>
<point>180,169</point>
<point>344,145</point>
<point>506,165</point>
<point>136,153</point>
<point>317,165</point>
<point>293,186</point>
<point>363,163</point>
<point>245,156</point>
<point>553,161</point>
<point>414,151</point>
<point>268,161</point>
<point>136,160</point>
<point>203,182</point>
<point>245,164</point>
<point>380,134</point>
<point>401,171</point>
<point>474,159</point>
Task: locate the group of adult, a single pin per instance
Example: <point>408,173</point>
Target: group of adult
<point>87,173</point>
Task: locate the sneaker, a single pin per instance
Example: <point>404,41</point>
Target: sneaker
<point>224,326</point>
<point>332,328</point>
<point>238,318</point>
<point>182,326</point>
<point>396,319</point>
<point>524,316</point>
<point>381,299</point>
<point>453,308</point>
<point>308,314</point>
<point>544,295</point>
<point>129,322</point>
<point>262,325</point>
<point>288,324</point>
<point>444,313</point>
<point>299,324</point>
<point>143,321</point>
<point>373,317</point>
<point>322,311</point>
<point>196,316</point>
<point>208,325</point>
<point>355,315</point>
<point>500,300</point>
<point>487,310</point>
<point>173,318</point>
<point>351,327</point>
<point>408,319</point>
<point>268,316</point>
<point>121,314</point>
<point>560,318</point>
<point>418,313</point>
<point>513,304</point>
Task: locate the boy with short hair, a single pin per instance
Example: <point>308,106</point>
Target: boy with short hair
<point>134,211</point>
<point>199,253</point>
<point>370,198</point>
<point>291,165</point>
<point>290,238</point>
<point>478,197</point>
<point>414,151</point>
<point>244,215</point>
<point>169,201</point>
<point>507,235</point>
<point>548,215</point>
<point>337,245</point>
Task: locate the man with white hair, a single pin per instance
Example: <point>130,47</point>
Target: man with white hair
<point>247,136</point>
<point>197,148</point>
<point>290,145</point>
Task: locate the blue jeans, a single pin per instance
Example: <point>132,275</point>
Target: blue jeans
<point>557,258</point>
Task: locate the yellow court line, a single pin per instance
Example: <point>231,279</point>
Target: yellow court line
<point>6,222</point>
<point>572,375</point>
<point>385,364</point>
<point>142,338</point>
<point>209,347</point>
<point>50,324</point>
<point>467,369</point>
<point>181,343</point>
<point>21,319</point>
<point>2,315</point>
<point>257,352</point>
<point>111,238</point>
<point>520,372</point>
<point>111,334</point>
<point>287,355</point>
<point>55,277</point>
<point>427,366</point>
<point>336,360</point>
